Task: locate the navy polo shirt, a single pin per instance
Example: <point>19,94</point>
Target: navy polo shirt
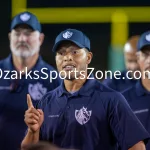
<point>139,100</point>
<point>13,101</point>
<point>93,118</point>
<point>120,84</point>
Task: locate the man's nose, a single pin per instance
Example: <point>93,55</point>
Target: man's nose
<point>22,37</point>
<point>68,57</point>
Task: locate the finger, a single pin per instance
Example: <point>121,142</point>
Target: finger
<point>32,110</point>
<point>31,121</point>
<point>29,101</point>
<point>32,116</point>
<point>40,111</point>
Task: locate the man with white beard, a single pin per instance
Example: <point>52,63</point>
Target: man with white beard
<point>22,72</point>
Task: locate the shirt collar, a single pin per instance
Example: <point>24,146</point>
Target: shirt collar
<point>86,90</point>
<point>8,64</point>
<point>140,90</point>
<point>39,64</point>
<point>124,74</point>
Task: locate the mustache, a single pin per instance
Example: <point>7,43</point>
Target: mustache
<point>23,44</point>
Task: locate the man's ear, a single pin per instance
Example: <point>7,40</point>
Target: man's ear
<point>41,38</point>
<point>89,57</point>
<point>138,56</point>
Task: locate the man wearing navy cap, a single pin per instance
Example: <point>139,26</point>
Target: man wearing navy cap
<point>82,113</point>
<point>138,96</point>
<point>129,76</point>
<point>26,38</point>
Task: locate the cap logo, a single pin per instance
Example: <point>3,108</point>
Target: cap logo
<point>25,17</point>
<point>148,37</point>
<point>67,35</point>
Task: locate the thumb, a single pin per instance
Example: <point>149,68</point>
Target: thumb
<point>29,101</point>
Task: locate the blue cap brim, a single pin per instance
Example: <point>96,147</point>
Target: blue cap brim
<point>58,43</point>
<point>17,24</point>
<point>140,47</point>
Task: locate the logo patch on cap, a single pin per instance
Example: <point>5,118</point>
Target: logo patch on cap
<point>25,17</point>
<point>67,35</point>
<point>147,37</point>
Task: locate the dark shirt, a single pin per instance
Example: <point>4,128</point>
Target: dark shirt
<point>120,84</point>
<point>93,118</point>
<point>13,100</point>
<point>139,100</point>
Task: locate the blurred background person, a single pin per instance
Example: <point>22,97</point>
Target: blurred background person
<point>126,79</point>
<point>25,38</point>
<point>138,96</point>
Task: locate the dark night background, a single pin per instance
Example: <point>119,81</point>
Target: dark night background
<point>99,33</point>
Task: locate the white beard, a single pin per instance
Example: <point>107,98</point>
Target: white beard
<point>24,53</point>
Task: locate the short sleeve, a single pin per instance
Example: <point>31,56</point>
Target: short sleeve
<point>125,126</point>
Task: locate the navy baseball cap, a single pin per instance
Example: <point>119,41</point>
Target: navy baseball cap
<point>73,35</point>
<point>144,40</point>
<point>26,18</point>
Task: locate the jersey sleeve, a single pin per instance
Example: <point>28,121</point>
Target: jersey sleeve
<point>124,124</point>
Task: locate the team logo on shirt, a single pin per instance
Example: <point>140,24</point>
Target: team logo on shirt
<point>37,91</point>
<point>67,35</point>
<point>82,115</point>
